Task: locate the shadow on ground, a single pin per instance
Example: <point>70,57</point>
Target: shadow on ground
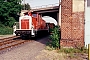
<point>40,38</point>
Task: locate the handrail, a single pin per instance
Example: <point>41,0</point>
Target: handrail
<point>45,6</point>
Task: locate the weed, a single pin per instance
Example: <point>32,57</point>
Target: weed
<point>49,48</point>
<point>55,37</point>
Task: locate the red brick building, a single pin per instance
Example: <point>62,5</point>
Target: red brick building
<point>72,23</point>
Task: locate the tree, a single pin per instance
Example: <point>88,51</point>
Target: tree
<point>26,7</point>
<point>9,10</point>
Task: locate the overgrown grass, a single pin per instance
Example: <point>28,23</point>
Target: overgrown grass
<point>70,52</point>
<point>5,30</point>
<point>73,50</point>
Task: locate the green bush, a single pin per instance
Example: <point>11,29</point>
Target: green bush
<point>4,30</point>
<point>55,37</point>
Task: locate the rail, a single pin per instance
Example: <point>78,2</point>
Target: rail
<point>9,43</point>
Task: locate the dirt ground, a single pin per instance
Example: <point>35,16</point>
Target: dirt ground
<point>50,55</point>
<point>53,55</point>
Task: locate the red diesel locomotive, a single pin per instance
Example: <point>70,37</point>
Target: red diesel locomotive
<point>31,24</point>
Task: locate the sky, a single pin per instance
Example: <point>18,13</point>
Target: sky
<point>34,3</point>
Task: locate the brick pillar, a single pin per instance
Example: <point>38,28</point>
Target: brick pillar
<point>72,27</point>
<point>78,22</point>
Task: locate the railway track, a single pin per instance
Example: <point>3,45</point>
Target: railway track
<point>11,42</point>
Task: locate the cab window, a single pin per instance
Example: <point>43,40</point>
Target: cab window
<point>34,15</point>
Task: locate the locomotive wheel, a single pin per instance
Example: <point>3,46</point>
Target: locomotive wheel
<point>23,36</point>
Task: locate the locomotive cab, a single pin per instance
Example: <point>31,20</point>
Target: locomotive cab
<point>25,25</point>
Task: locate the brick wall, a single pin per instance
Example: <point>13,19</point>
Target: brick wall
<point>72,24</point>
